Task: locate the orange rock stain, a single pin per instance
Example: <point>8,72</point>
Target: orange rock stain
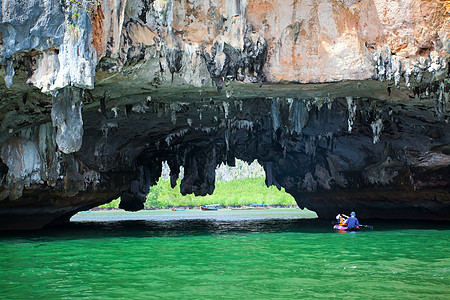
<point>97,18</point>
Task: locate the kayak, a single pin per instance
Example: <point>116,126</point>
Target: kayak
<point>345,228</point>
<point>342,228</point>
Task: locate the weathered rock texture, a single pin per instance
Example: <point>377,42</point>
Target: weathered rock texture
<point>345,103</point>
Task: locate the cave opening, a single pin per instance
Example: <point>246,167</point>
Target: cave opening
<point>240,194</point>
<point>238,186</point>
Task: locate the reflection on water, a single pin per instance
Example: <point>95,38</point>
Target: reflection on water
<point>213,227</point>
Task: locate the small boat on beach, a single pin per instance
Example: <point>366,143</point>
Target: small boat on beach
<point>251,206</point>
<point>256,206</point>
<point>210,207</point>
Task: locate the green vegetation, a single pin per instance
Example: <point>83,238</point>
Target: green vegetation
<point>112,204</point>
<point>230,193</point>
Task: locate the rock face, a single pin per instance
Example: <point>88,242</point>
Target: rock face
<point>345,103</point>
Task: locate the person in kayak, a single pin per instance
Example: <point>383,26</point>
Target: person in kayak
<point>352,222</point>
<point>341,218</point>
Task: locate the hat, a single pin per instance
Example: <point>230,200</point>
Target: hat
<point>353,214</point>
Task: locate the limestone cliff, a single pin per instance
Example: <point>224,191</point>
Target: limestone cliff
<point>344,102</point>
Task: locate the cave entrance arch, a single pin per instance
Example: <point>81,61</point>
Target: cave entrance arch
<point>235,187</point>
<point>331,154</point>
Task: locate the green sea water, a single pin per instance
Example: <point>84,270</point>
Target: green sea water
<point>269,254</point>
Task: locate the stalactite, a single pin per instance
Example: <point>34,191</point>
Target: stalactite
<point>351,108</point>
<point>376,126</point>
<point>9,73</point>
<point>275,112</point>
<point>66,115</point>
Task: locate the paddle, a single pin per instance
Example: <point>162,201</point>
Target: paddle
<point>367,226</point>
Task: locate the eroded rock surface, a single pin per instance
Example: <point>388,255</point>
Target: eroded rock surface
<point>344,103</point>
